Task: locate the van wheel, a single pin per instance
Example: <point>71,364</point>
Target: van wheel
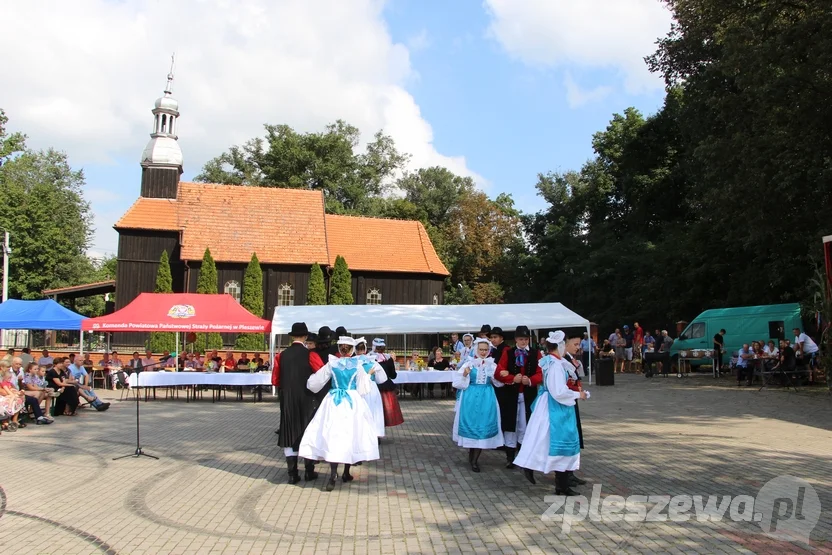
<point>679,375</point>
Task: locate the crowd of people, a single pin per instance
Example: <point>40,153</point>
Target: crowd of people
<point>336,400</point>
<point>30,390</point>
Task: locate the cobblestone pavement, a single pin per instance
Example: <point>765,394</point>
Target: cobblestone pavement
<point>219,486</point>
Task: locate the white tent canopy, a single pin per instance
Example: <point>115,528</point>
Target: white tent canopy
<point>414,319</point>
<point>373,320</point>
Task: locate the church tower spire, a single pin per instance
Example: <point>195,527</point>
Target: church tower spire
<point>162,157</point>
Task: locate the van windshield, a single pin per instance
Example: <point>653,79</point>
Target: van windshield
<point>694,331</point>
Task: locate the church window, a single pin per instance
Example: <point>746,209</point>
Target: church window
<point>164,123</point>
<point>232,288</point>
<point>373,296</point>
<point>286,295</point>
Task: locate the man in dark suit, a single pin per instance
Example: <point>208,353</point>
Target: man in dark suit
<point>292,369</point>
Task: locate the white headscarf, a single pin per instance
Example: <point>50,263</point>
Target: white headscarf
<point>557,338</point>
<point>476,344</point>
<point>346,340</point>
<point>377,342</point>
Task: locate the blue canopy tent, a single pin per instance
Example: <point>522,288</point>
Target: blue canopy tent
<point>39,315</point>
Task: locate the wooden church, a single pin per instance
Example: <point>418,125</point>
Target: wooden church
<point>391,261</point>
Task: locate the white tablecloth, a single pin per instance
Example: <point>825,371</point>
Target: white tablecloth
<point>166,379</point>
<point>427,376</point>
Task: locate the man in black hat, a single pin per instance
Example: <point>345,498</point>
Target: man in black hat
<point>576,386</point>
<point>485,331</point>
<point>518,369</point>
<point>497,342</point>
<point>292,369</point>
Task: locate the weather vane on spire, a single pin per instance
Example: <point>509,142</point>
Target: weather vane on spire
<point>170,74</point>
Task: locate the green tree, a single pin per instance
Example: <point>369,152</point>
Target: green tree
<point>44,211</point>
<point>325,161</point>
<point>341,283</point>
<point>163,340</point>
<point>207,284</point>
<point>252,300</point>
<point>316,294</point>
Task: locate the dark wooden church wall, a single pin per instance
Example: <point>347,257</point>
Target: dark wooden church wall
<point>397,288</point>
<point>138,262</point>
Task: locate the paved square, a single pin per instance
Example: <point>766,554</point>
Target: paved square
<point>219,486</point>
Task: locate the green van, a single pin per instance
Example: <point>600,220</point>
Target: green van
<point>741,324</point>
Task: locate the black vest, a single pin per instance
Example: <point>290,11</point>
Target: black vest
<point>530,366</point>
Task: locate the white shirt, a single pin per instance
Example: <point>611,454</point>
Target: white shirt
<point>807,345</point>
<point>45,361</point>
<point>769,351</point>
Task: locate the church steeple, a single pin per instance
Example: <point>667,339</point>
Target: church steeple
<point>162,157</point>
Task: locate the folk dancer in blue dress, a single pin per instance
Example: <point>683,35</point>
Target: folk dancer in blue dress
<point>343,430</point>
<point>551,442</point>
<point>377,376</point>
<point>477,422</point>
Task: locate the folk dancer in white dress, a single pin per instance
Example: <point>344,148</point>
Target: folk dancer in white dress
<point>378,376</point>
<point>343,430</point>
<point>467,353</point>
<point>477,421</point>
<point>551,442</point>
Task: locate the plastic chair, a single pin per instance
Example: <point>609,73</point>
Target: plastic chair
<point>122,381</point>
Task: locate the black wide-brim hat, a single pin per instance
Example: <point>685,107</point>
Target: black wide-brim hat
<point>313,337</point>
<point>497,330</point>
<point>324,334</point>
<point>341,331</point>
<point>299,329</point>
<point>522,331</point>
<point>485,329</point>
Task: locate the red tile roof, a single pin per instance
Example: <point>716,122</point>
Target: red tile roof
<point>283,226</point>
<point>382,245</point>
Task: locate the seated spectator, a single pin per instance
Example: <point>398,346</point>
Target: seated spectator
<point>167,360</point>
<point>9,355</point>
<point>87,362</point>
<point>58,378</point>
<point>413,363</point>
<point>243,362</point>
<point>19,373</point>
<point>191,362</point>
<point>230,363</point>
<point>26,357</point>
<point>115,360</point>
<point>607,350</point>
<point>149,364</point>
<point>70,359</point>
<point>439,363</point>
<point>36,392</point>
<point>771,350</point>
<point>82,378</point>
<point>649,343</point>
<point>745,365</point>
<point>258,361</point>
<point>45,359</point>
<point>135,362</point>
<point>12,400</point>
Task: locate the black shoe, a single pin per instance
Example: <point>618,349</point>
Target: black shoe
<point>529,474</point>
<point>347,477</point>
<point>575,481</point>
<point>510,454</point>
<point>294,478</point>
<point>475,467</point>
<point>568,492</point>
<point>310,475</point>
<point>330,485</point>
<point>102,407</point>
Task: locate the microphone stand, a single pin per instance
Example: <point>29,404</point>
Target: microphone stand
<point>138,452</point>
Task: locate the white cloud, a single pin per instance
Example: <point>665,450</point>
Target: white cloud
<point>577,97</point>
<point>82,76</point>
<point>603,34</point>
<point>419,42</point>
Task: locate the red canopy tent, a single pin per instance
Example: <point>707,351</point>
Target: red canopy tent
<point>180,312</point>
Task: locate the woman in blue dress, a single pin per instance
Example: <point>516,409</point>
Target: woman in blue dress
<point>477,420</point>
<point>551,442</point>
<point>343,430</point>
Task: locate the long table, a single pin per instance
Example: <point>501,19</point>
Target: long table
<point>425,376</point>
<point>171,379</point>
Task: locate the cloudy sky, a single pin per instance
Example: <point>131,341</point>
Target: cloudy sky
<point>496,89</point>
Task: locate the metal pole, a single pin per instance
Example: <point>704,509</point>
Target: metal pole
<point>6,252</point>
